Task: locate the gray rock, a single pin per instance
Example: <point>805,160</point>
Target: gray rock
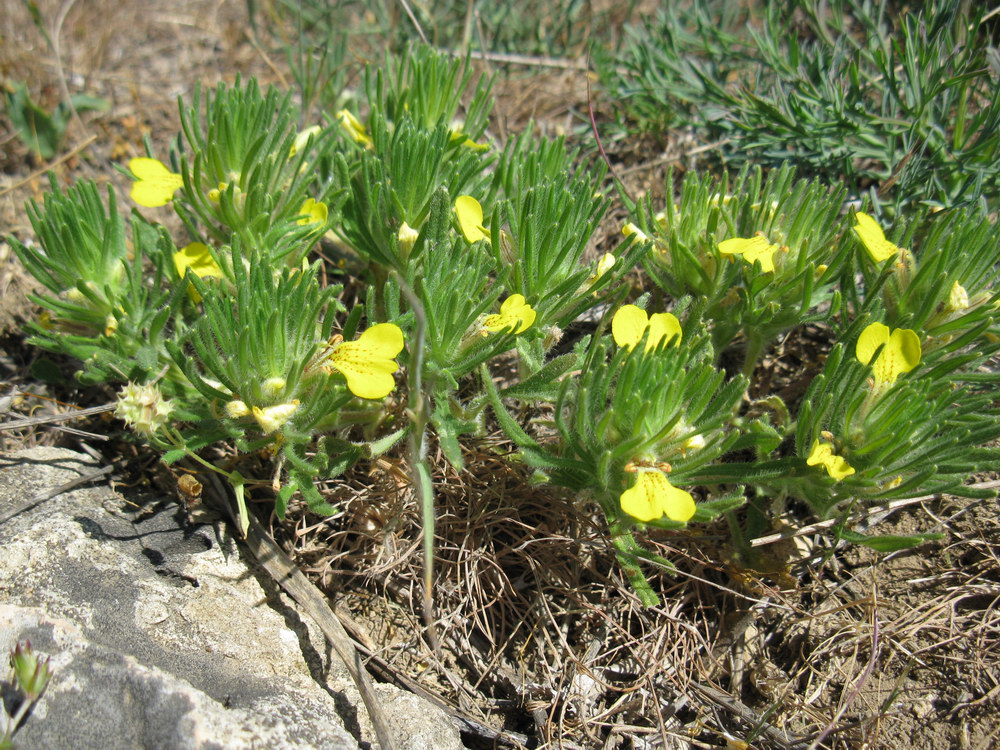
<point>161,635</point>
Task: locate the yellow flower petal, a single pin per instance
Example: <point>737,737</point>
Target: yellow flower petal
<point>353,127</point>
<point>314,212</point>
<point>470,218</point>
<point>303,138</point>
<point>605,264</point>
<point>367,363</point>
<point>457,136</point>
<point>653,497</point>
<point>873,238</point>
<point>516,315</point>
<point>900,354</point>
<point>156,184</point>
<point>630,323</point>
<point>753,249</point>
<point>629,229</point>
<point>663,326</point>
<point>196,257</point>
<point>822,455</point>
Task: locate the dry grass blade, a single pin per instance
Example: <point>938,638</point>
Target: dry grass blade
<point>49,418</point>
<point>856,517</point>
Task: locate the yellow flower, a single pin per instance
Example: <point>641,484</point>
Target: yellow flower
<point>629,229</point>
<point>470,218</point>
<point>900,353</point>
<point>605,264</point>
<point>236,409</point>
<point>215,193</point>
<point>631,322</point>
<point>893,483</point>
<point>196,257</point>
<point>303,138</point>
<point>653,497</point>
<point>753,249</point>
<point>367,363</point>
<point>873,238</point>
<point>516,315</point>
<point>693,443</point>
<point>822,455</point>
<point>272,387</point>
<point>270,418</point>
<point>457,135</point>
<point>353,127</point>
<point>156,184</point>
<point>313,211</point>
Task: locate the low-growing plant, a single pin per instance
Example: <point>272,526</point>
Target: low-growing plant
<point>317,263</point>
<point>43,131</point>
<point>30,675</point>
<point>903,105</point>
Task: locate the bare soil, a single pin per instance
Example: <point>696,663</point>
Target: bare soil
<point>541,642</point>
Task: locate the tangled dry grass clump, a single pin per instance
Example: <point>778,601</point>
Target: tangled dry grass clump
<point>540,637</point>
<point>539,640</point>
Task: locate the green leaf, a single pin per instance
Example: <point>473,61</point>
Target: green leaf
<point>39,130</point>
<point>887,542</point>
<point>507,422</point>
<point>88,103</point>
<point>284,495</point>
<point>48,371</point>
<point>712,509</point>
<point>172,456</point>
<point>380,446</point>
<point>542,385</point>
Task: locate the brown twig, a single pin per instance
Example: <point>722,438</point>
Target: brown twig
<point>280,567</point>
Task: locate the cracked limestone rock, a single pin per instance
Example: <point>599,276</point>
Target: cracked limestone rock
<point>162,636</point>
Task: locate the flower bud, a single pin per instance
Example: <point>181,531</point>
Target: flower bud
<point>30,673</point>
<point>958,299</point>
<point>272,388</point>
<point>407,237</point>
<point>143,407</point>
<point>236,409</point>
<point>270,418</point>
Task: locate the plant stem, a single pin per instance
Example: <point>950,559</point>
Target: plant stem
<point>627,553</point>
<point>755,347</point>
